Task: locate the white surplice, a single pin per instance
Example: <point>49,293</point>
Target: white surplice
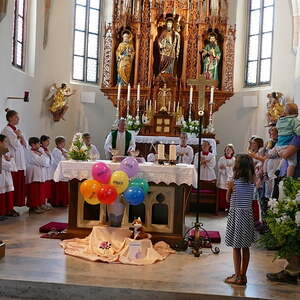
<point>36,166</point>
<point>94,153</point>
<point>16,149</point>
<point>6,182</point>
<point>188,154</point>
<point>207,171</point>
<point>225,174</point>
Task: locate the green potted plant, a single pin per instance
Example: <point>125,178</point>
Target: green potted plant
<point>78,149</point>
<point>133,124</point>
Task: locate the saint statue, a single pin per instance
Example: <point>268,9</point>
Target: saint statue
<point>169,45</point>
<point>275,108</point>
<point>211,56</point>
<point>59,101</point>
<point>125,55</point>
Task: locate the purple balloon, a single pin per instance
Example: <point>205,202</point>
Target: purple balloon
<point>130,166</point>
<point>101,172</point>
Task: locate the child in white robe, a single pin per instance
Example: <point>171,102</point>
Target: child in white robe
<point>185,153</point>
<point>45,142</point>
<point>37,162</point>
<point>17,146</point>
<point>94,153</point>
<point>60,190</point>
<point>6,182</point>
<point>208,163</point>
<point>225,174</point>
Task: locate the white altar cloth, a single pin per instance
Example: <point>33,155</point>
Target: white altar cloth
<point>178,174</point>
<point>173,140</point>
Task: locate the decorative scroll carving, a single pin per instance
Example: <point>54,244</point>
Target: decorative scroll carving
<point>108,56</point>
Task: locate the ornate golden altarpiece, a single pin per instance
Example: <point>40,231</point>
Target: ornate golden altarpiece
<point>145,19</point>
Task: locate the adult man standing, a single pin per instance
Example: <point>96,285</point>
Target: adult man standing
<point>119,139</point>
<point>292,270</point>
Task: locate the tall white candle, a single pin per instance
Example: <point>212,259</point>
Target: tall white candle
<point>147,105</point>
<point>150,106</point>
<point>154,105</point>
<point>174,106</point>
<point>212,92</point>
<point>169,106</point>
<point>138,93</point>
<point>161,152</point>
<point>128,93</point>
<point>177,106</point>
<point>191,95</point>
<point>172,154</point>
<point>119,91</point>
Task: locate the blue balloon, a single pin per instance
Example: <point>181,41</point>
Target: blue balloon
<point>134,195</point>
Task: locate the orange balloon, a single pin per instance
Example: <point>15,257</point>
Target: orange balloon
<point>89,189</point>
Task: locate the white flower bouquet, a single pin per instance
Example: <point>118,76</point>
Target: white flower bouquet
<point>190,127</point>
<point>78,149</point>
<point>133,123</point>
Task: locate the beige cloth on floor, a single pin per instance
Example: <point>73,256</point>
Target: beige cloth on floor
<point>113,245</point>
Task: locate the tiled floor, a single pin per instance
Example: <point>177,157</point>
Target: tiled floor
<point>32,259</point>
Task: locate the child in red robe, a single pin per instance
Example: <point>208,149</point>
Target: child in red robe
<point>6,182</point>
<point>17,146</point>
<point>60,190</point>
<point>37,162</point>
<point>45,142</point>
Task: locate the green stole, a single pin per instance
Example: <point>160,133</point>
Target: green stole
<point>114,135</point>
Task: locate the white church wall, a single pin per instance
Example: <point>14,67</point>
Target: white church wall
<point>235,122</point>
<point>45,67</point>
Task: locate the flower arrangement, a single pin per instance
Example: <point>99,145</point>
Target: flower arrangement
<point>78,149</point>
<point>190,126</point>
<point>133,123</point>
<point>283,219</point>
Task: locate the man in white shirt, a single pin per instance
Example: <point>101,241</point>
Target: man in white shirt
<point>94,153</point>
<point>185,153</point>
<point>119,139</point>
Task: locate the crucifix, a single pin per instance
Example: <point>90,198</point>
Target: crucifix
<point>202,82</point>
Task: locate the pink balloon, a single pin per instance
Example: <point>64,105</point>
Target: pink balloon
<point>101,172</point>
<point>130,166</point>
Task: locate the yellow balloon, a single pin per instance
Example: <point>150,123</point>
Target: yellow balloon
<point>92,201</point>
<point>120,181</point>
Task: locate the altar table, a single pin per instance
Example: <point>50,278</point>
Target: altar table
<point>162,213</point>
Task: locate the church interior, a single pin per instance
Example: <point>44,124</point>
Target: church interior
<point>106,106</point>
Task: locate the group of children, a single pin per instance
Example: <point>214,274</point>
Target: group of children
<point>28,170</point>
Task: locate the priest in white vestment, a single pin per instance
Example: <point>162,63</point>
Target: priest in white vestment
<point>184,152</point>
<point>119,139</point>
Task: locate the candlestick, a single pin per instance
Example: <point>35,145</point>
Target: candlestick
<point>191,95</point>
<point>138,92</point>
<point>119,91</point>
<point>161,152</point>
<point>212,92</point>
<point>128,93</point>
<point>173,154</point>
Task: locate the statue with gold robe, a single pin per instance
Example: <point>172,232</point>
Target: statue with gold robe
<point>59,100</point>
<point>211,56</point>
<point>125,56</point>
<point>169,45</point>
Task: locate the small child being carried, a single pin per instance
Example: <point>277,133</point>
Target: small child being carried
<point>288,126</point>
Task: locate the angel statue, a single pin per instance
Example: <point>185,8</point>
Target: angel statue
<point>125,55</point>
<point>211,56</point>
<point>59,101</point>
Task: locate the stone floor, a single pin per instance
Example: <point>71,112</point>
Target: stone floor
<point>36,268</point>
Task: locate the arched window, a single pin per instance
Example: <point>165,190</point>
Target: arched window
<point>18,43</point>
<point>86,41</point>
<point>260,41</point>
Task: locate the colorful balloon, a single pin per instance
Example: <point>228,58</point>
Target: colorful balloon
<point>89,189</point>
<point>92,201</point>
<point>107,194</point>
<point>134,195</point>
<point>130,166</point>
<point>140,182</point>
<point>101,172</point>
<point>120,181</point>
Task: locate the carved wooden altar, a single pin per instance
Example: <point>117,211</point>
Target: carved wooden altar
<point>194,20</point>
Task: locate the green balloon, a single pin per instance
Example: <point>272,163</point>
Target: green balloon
<point>140,182</point>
